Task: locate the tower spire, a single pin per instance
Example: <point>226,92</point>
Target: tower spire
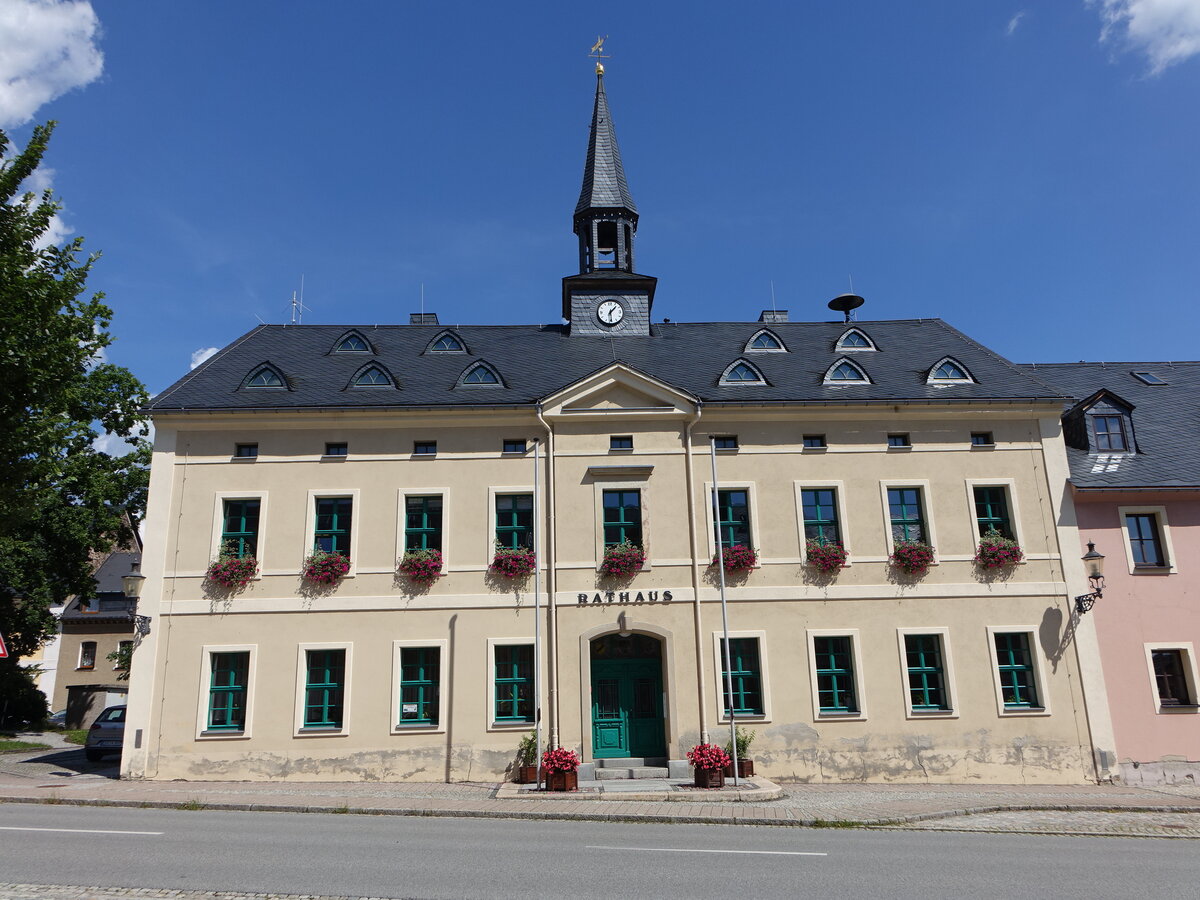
<point>605,216</point>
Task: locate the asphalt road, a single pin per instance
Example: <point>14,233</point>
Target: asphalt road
<point>402,857</point>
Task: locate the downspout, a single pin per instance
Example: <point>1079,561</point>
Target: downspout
<point>551,580</point>
<point>701,690</point>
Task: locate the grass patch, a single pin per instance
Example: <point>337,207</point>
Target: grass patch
<point>341,811</point>
<point>75,735</point>
<point>834,823</point>
<point>190,804</point>
<point>8,746</point>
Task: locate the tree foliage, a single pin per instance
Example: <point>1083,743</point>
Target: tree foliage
<point>62,500</point>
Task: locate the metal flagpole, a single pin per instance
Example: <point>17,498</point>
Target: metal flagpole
<point>537,615</point>
<point>716,520</point>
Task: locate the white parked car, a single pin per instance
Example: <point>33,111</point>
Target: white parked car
<point>106,734</point>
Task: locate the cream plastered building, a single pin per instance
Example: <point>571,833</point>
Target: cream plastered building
<point>374,441</point>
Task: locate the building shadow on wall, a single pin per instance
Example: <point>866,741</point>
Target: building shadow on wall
<point>1055,644</point>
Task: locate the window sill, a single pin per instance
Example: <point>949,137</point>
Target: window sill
<point>510,726</point>
<point>243,459</point>
<point>761,719</point>
<point>222,735</point>
<point>899,449</point>
<point>1151,570</point>
<point>339,457</point>
<point>932,714</point>
<point>625,450</point>
<point>1179,709</point>
<point>814,449</point>
<point>983,446</point>
<point>841,717</point>
<point>423,456</point>
<point>1024,711</point>
<point>85,668</point>
<point>322,732</point>
<point>418,728</point>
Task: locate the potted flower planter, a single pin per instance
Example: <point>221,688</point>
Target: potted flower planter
<point>745,768</point>
<point>710,778</point>
<point>561,769</point>
<point>562,781</point>
<point>709,761</point>
<point>526,775</point>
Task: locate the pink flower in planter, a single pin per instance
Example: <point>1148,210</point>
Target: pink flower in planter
<point>514,562</point>
<point>825,556</point>
<point>324,567</point>
<point>996,551</point>
<point>738,558</point>
<point>232,572</point>
<point>422,566</point>
<point>623,559</point>
<point>560,760</point>
<point>708,756</point>
<point>912,557</point>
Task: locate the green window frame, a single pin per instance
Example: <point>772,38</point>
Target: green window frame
<point>746,672</point>
<point>423,523</point>
<point>332,529</point>
<point>514,520</point>
<point>239,527</point>
<point>733,517</point>
<point>227,685</point>
<point>420,683</point>
<point>1144,541</point>
<point>834,659</point>
<point>926,673</point>
<point>1014,662</point>
<point>324,688</point>
<point>907,514</point>
<point>821,515</point>
<point>991,511</point>
<point>622,517</point>
<point>513,683</point>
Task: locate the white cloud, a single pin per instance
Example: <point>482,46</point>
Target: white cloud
<point>47,47</point>
<point>114,445</point>
<point>1166,31</point>
<point>199,356</point>
<point>1013,23</point>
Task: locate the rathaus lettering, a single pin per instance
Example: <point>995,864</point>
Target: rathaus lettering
<point>623,597</point>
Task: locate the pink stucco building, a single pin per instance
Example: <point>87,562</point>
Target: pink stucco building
<point>1135,479</point>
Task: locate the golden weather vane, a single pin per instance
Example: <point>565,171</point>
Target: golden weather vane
<point>597,53</point>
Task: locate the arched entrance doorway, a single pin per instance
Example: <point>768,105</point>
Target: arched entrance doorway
<point>627,697</point>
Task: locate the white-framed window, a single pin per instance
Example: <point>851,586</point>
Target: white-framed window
<point>854,339</point>
<point>835,674</point>
<point>419,669</point>
<point>240,521</point>
<point>225,699</point>
<point>1146,535</point>
<point>740,372</point>
<point>87,655</point>
<point>992,503</point>
<point>737,514</point>
<point>765,341</point>
<point>845,372</point>
<point>622,512</point>
<point>511,703</point>
<point>1018,671</point>
<point>512,518</point>
<point>821,514</point>
<point>949,370</point>
<point>329,524</point>
<point>1173,678</point>
<point>927,673</point>
<point>421,521</point>
<point>323,689</point>
<point>908,513</point>
<point>751,687</point>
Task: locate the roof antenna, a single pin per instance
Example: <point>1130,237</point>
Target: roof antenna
<point>298,306</point>
<point>422,301</point>
<point>773,295</point>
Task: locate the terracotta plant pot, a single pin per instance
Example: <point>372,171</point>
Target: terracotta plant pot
<point>745,768</point>
<point>562,781</point>
<point>526,775</point>
<point>710,778</point>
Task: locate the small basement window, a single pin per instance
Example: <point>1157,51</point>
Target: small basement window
<point>337,449</point>
<point>814,442</point>
<point>515,446</point>
<point>899,441</point>
<point>424,448</point>
<point>725,442</point>
<point>245,451</point>
<point>620,442</point>
<point>982,439</point>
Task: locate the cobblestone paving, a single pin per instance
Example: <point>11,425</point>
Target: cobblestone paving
<point>1114,824</point>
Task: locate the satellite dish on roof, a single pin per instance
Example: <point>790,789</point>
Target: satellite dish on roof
<point>844,303</point>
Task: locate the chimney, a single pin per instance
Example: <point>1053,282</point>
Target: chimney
<point>773,315</point>
<point>422,318</point>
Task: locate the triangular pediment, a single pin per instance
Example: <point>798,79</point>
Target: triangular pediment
<point>618,390</point>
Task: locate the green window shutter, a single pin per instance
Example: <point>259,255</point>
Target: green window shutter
<point>746,674</point>
<point>907,516</point>
<point>227,691</point>
<point>733,518</point>
<point>926,673</point>
<point>514,683</point>
<point>423,523</point>
<point>514,520</point>
<point>239,528</point>
<point>325,688</point>
<point>420,676</point>
<point>622,517</point>
<point>991,511</point>
<point>820,515</point>
<point>334,516</point>
<point>1015,664</point>
<point>835,675</point>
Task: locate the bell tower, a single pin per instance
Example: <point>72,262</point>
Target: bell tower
<point>607,297</point>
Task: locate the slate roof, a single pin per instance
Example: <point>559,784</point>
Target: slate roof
<point>1166,420</point>
<point>534,361</point>
<point>110,603</point>
<point>604,184</point>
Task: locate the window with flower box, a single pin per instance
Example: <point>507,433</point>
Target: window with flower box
<point>733,517</point>
<point>514,520</point>
<point>821,515</point>
<point>622,517</point>
<point>333,520</point>
<point>907,514</point>
<point>991,511</point>
<point>239,527</point>
<point>423,523</point>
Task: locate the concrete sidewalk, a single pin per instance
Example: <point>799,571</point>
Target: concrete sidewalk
<point>64,776</point>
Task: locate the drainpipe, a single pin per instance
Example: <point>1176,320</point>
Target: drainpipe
<point>701,690</point>
<point>551,581</point>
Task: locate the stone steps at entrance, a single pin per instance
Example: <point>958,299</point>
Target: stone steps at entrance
<point>613,773</point>
<point>631,768</point>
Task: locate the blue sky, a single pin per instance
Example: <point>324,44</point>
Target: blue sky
<point>1026,171</point>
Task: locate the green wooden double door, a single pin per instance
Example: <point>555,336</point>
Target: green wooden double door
<point>627,708</point>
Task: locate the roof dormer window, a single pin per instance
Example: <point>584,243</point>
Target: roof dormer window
<point>765,342</point>
<point>480,374</point>
<point>352,343</point>
<point>741,372</point>
<point>1147,378</point>
<point>949,371</point>
<point>447,342</point>
<point>845,372</point>
<point>855,339</point>
<point>1110,434</point>
<point>372,376</point>
<point>265,376</point>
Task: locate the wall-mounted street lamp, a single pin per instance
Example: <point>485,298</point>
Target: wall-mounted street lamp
<point>1094,563</point>
<point>131,584</point>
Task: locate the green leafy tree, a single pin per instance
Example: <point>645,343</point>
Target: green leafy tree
<point>62,500</point>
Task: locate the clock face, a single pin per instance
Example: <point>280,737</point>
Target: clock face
<point>610,312</point>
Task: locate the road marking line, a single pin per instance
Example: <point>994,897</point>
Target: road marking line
<point>76,830</point>
<point>698,850</point>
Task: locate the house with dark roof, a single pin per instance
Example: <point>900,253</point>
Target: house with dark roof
<point>391,552</point>
<point>1135,484</point>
